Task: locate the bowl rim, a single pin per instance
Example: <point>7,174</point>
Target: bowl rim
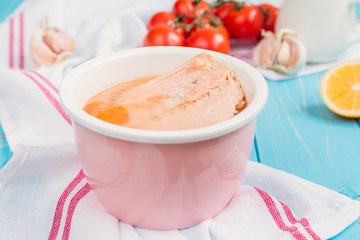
<point>160,136</point>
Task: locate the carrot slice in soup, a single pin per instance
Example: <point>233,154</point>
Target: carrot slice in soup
<point>109,112</point>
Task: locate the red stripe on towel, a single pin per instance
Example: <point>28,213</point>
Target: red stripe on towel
<point>45,80</point>
<point>51,98</point>
<point>11,43</point>
<point>60,205</point>
<point>304,222</point>
<point>270,204</point>
<point>74,201</point>
<point>21,41</point>
<point>83,191</point>
<point>61,202</point>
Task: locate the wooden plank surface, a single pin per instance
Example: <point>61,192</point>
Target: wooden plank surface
<point>297,133</point>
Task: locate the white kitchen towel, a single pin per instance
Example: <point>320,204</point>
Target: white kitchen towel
<point>91,24</point>
<point>43,192</point>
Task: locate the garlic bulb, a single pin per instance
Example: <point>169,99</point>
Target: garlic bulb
<point>50,45</point>
<point>282,52</point>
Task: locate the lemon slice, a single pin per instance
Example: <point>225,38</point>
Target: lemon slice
<point>340,89</point>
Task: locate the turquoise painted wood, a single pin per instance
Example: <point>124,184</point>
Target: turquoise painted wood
<point>7,7</point>
<point>297,133</point>
<point>5,153</point>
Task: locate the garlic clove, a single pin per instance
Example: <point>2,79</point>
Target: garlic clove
<point>50,45</point>
<point>265,51</point>
<point>283,55</point>
<point>41,53</point>
<point>288,54</point>
<point>58,41</point>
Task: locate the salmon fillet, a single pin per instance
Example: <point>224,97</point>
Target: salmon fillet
<point>198,93</point>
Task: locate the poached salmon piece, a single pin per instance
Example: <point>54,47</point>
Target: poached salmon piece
<point>198,93</point>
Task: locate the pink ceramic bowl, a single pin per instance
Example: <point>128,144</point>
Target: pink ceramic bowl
<point>160,179</point>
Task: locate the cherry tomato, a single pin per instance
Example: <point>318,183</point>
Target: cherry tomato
<point>183,7</point>
<point>163,36</point>
<point>216,39</point>
<point>245,23</point>
<point>270,13</point>
<point>224,31</point>
<point>182,31</point>
<point>206,21</point>
<point>204,24</point>
<point>222,11</point>
<point>161,18</point>
<point>201,7</point>
<point>187,7</point>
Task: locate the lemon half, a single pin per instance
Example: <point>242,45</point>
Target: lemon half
<point>340,89</point>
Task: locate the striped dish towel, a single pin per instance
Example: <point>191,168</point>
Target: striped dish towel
<point>44,193</point>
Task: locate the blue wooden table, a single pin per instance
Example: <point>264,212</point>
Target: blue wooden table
<point>5,153</point>
<point>297,133</point>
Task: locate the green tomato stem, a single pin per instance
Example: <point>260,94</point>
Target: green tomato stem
<point>215,22</point>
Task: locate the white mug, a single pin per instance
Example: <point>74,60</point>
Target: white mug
<point>326,27</point>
